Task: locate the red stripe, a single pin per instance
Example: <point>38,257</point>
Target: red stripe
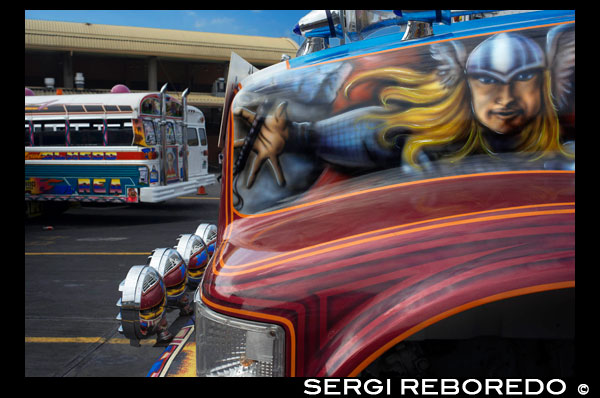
<point>120,155</point>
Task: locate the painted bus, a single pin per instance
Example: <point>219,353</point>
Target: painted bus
<point>109,148</point>
<point>399,206</point>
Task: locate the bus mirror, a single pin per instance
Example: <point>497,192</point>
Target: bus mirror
<point>170,265</point>
<point>195,254</point>
<point>142,303</point>
<point>208,233</point>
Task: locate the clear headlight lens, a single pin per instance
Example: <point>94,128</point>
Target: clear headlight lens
<point>227,346</point>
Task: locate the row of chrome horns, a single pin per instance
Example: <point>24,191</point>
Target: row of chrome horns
<point>356,24</point>
<point>162,282</point>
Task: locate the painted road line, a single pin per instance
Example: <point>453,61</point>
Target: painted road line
<point>84,340</point>
<point>198,198</point>
<point>109,239</point>
<point>87,254</point>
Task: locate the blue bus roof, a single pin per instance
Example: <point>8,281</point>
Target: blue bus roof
<point>441,32</point>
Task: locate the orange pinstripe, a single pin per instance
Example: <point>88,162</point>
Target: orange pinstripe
<point>456,310</point>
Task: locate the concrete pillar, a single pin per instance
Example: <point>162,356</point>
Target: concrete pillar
<point>68,69</point>
<point>152,74</point>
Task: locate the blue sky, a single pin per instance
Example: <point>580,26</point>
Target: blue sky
<point>271,23</point>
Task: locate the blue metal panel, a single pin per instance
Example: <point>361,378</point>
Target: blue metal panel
<point>81,171</point>
<point>441,32</point>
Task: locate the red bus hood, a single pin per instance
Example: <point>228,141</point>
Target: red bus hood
<point>356,257</point>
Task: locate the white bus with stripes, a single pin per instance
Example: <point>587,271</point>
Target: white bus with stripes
<point>109,148</point>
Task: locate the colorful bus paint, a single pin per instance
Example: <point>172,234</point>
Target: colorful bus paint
<point>115,186</point>
<point>104,137</point>
<point>99,185</point>
<point>376,189</point>
<point>83,185</point>
<point>394,192</point>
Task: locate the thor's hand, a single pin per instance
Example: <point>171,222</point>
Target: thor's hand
<point>269,142</point>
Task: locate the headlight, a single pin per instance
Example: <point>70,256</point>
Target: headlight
<point>227,346</point>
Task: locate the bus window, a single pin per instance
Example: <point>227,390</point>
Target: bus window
<point>174,108</point>
<point>120,132</point>
<point>28,128</point>
<point>157,131</point>
<point>151,106</point>
<point>202,136</point>
<point>178,134</point>
<point>49,133</point>
<point>149,132</point>
<point>170,133</point>
<point>86,132</point>
<point>192,136</point>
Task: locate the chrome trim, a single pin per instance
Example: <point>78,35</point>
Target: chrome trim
<point>317,20</point>
<point>131,288</point>
<point>311,45</point>
<point>184,125</point>
<point>163,134</point>
<point>208,232</point>
<point>417,29</point>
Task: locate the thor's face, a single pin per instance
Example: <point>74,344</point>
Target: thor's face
<point>506,106</point>
<point>505,77</point>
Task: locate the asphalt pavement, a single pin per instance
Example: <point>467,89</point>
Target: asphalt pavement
<point>74,263</point>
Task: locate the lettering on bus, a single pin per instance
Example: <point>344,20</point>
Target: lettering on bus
<point>77,155</point>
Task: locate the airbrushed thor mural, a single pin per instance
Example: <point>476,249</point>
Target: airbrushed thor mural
<point>408,109</point>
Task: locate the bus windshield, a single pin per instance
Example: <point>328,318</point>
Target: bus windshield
<point>101,120</point>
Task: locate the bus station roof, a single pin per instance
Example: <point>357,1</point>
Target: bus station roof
<point>167,43</point>
<point>199,99</point>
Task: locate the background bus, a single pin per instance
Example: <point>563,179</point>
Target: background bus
<point>109,148</point>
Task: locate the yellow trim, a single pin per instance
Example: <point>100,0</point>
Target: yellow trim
<point>83,340</point>
<point>198,198</point>
<point>171,291</point>
<point>188,363</point>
